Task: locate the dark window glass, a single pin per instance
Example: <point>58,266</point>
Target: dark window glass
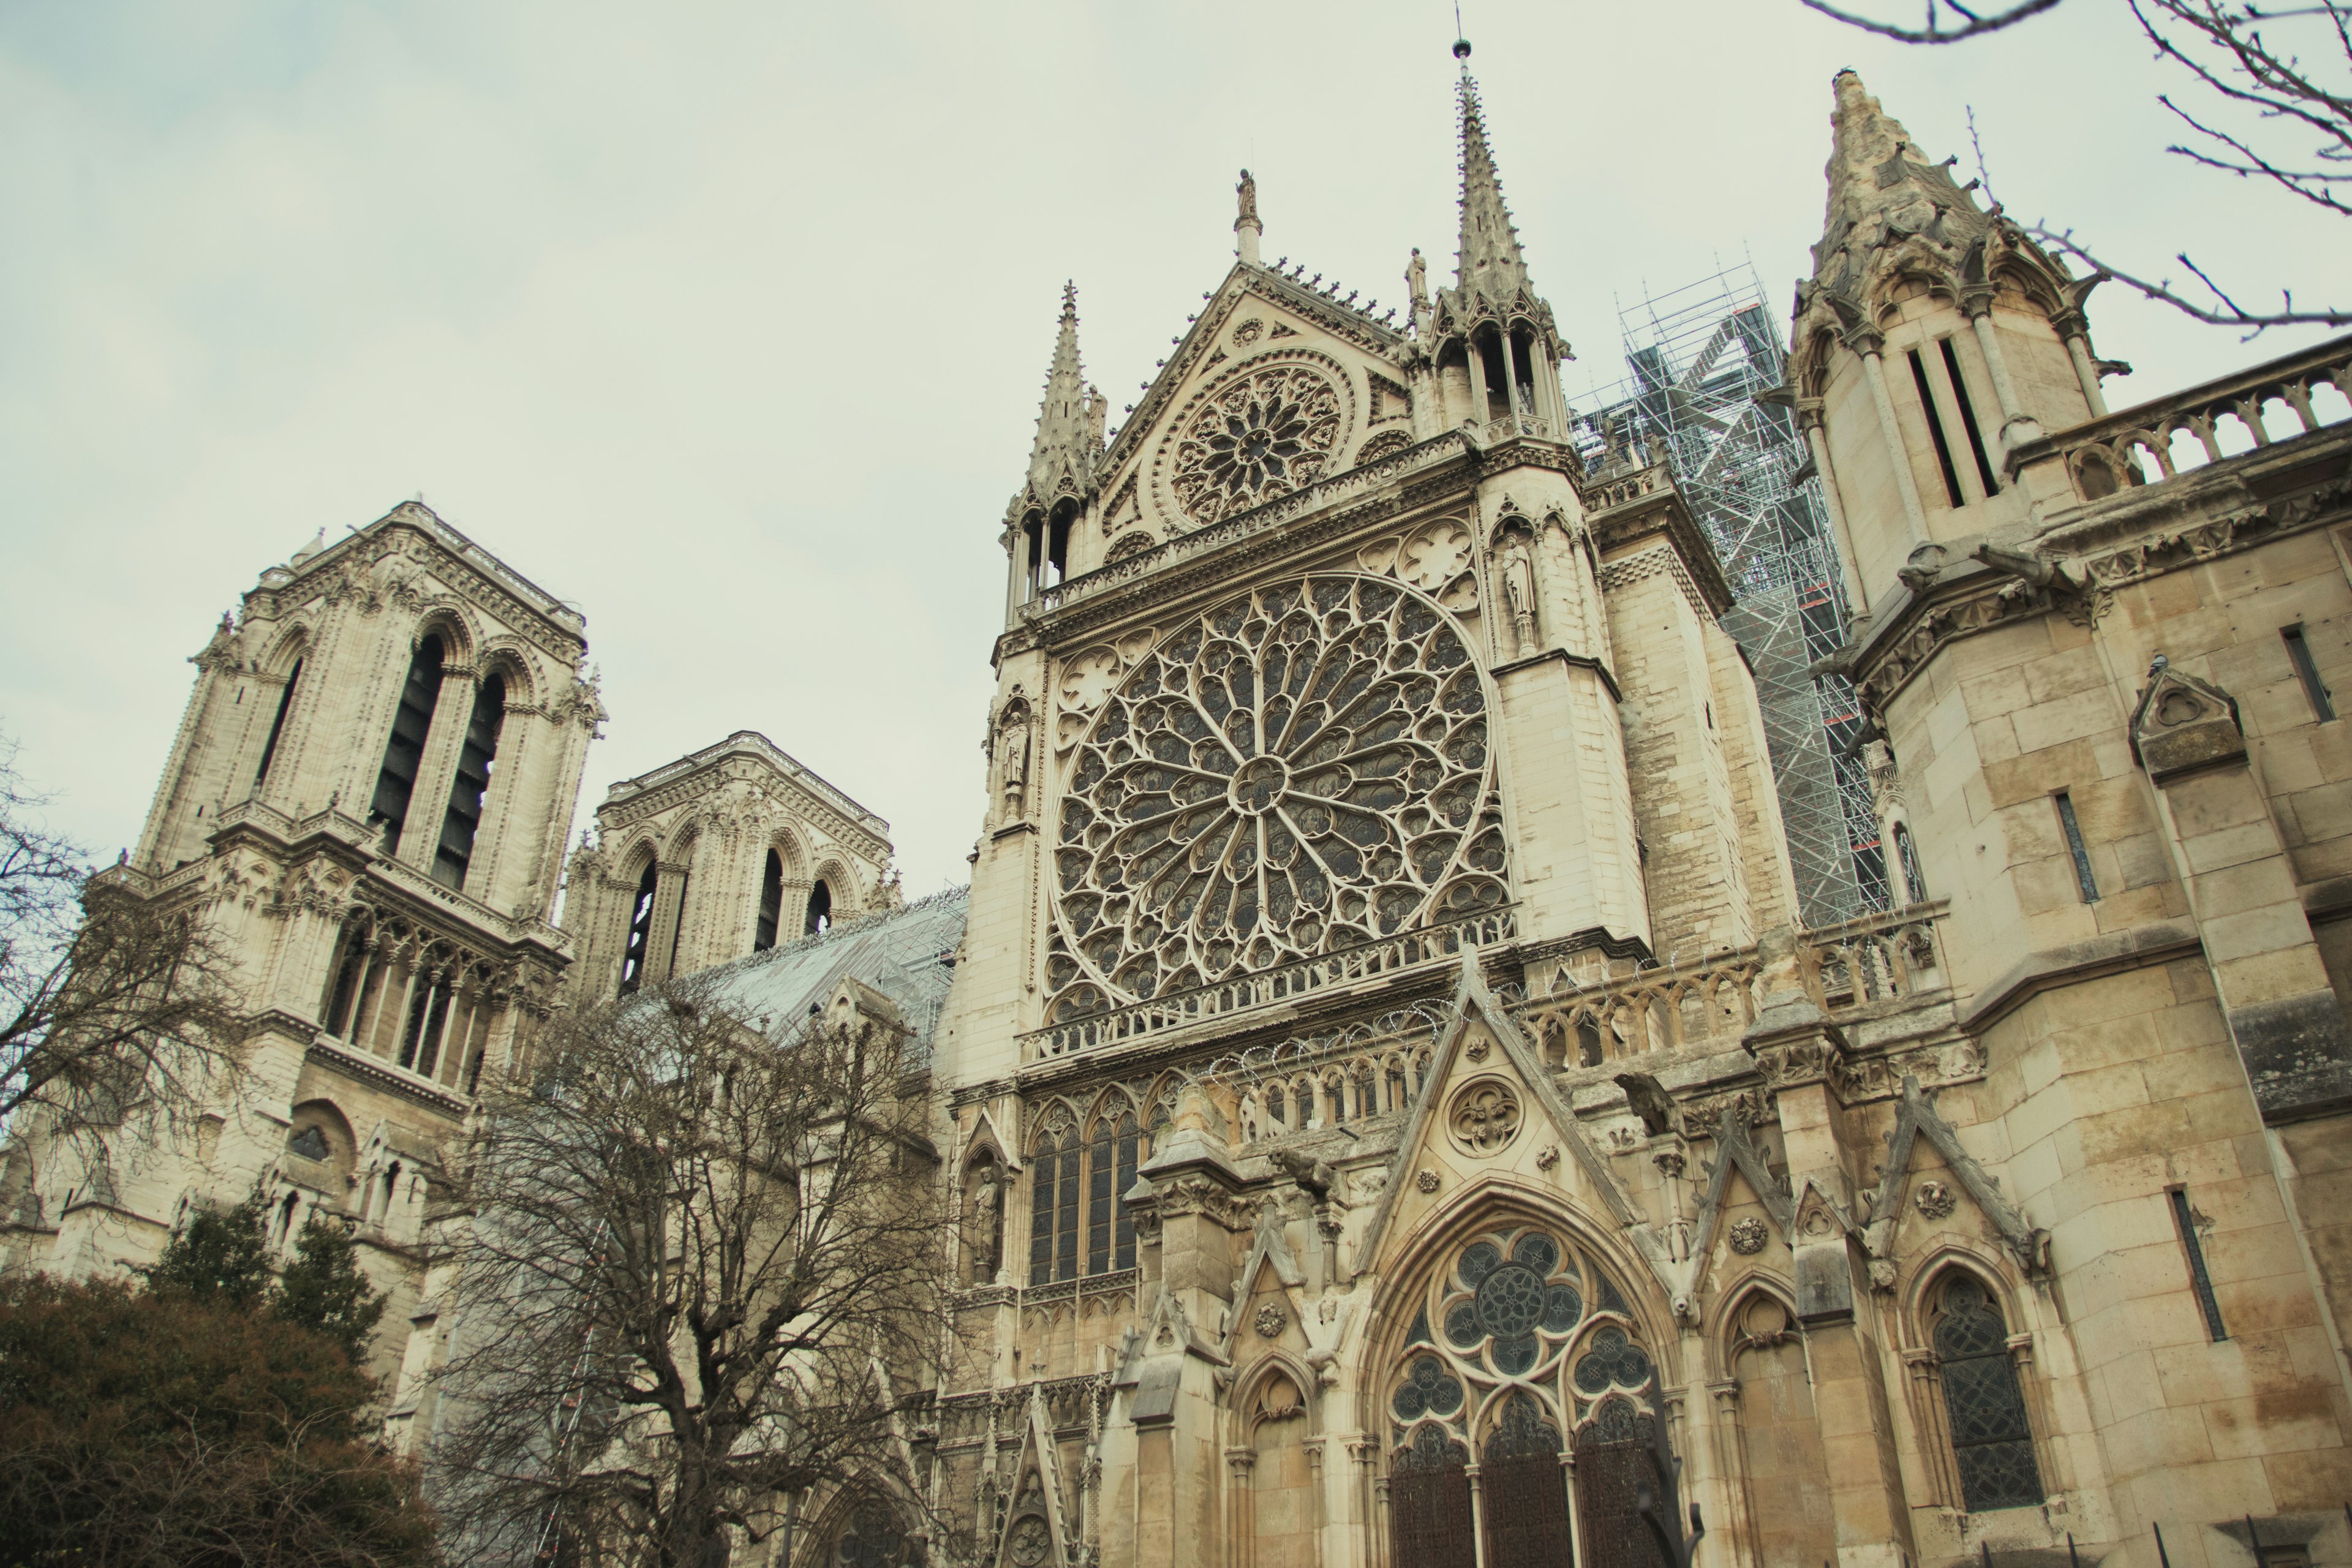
<point>1935,429</point>
<point>1991,1439</point>
<point>1065,1227</point>
<point>1129,1150</point>
<point>2084,879</point>
<point>2198,1279</point>
<point>463,818</point>
<point>771,903</point>
<point>1915,884</point>
<point>1043,1165</point>
<point>277,726</point>
<point>347,982</point>
<point>396,780</point>
<point>2298,649</point>
<point>641,931</point>
<point>1968,421</point>
<point>1100,1161</point>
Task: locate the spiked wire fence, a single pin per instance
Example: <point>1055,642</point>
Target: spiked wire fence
<point>1705,367</point>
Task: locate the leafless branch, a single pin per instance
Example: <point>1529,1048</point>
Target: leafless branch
<point>2223,310</point>
<point>1971,25</point>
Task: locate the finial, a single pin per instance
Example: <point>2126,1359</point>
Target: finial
<point>1461,49</point>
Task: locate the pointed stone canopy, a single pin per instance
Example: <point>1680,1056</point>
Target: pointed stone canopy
<point>1490,271</point>
<point>1884,190</point>
<point>1069,445</point>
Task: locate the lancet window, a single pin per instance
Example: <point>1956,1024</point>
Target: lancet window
<point>641,929</point>
<point>278,726</point>
<point>1992,1440</point>
<point>1079,1219</point>
<point>771,903</point>
<point>820,910</point>
<point>1521,1346</point>
<point>463,818</point>
<point>403,751</point>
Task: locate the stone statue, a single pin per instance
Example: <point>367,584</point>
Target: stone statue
<point>1247,191</point>
<point>1520,593</point>
<point>984,1234</point>
<point>1417,280</point>
<point>1012,760</point>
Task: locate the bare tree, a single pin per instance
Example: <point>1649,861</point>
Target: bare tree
<point>113,1006</point>
<point>2267,114</point>
<point>698,1270</point>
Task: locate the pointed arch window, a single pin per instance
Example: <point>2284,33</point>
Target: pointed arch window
<point>276,727</point>
<point>1053,1200</point>
<point>1111,1161</point>
<point>771,903</point>
<point>344,990</point>
<point>403,751</point>
<point>1915,882</point>
<point>641,929</point>
<point>463,819</point>
<point>1992,1440</point>
<point>820,909</point>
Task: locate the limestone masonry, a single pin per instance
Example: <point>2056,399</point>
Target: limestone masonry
<point>1395,1114</point>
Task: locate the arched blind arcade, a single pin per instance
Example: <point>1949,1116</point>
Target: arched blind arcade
<point>463,819</point>
<point>403,751</point>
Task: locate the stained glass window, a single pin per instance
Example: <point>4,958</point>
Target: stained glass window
<point>1991,1438</point>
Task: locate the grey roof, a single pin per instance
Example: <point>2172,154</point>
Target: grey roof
<point>906,955</point>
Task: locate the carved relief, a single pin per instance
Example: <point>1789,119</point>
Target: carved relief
<point>1935,1200</point>
<point>1270,1320</point>
<point>1485,1117</point>
<point>1747,1236</point>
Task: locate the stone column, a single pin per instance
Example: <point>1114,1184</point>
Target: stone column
<point>1474,359</point>
<point>662,933</point>
<point>2087,369</point>
<point>1241,1524</point>
<point>1478,1514</point>
<point>1868,345</point>
<point>1808,416</point>
<point>2017,427</point>
<point>1510,375</point>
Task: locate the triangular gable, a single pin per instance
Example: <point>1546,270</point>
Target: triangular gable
<point>1038,1458</point>
<point>1919,1118</point>
<point>1735,1151</point>
<point>1471,1000</point>
<point>1269,1250</point>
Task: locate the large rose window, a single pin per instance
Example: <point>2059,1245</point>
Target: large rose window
<point>1515,1332</point>
<point>1264,435</point>
<point>1302,769</point>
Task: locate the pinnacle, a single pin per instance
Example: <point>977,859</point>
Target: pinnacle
<point>1066,443</point>
<point>1882,186</point>
<point>1488,260</point>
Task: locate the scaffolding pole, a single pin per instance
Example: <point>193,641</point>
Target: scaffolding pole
<point>1703,391</point>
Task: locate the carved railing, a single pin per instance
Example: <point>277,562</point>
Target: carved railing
<point>1302,977</point>
<point>2161,440</point>
<point>1625,485</point>
<point>1510,428</point>
<point>1588,1019</point>
<point>1241,525</point>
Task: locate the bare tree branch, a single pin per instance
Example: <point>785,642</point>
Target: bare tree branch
<point>2225,311</point>
<point>1971,25</point>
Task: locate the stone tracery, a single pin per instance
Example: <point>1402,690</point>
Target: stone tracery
<point>1267,434</point>
<point>1300,769</point>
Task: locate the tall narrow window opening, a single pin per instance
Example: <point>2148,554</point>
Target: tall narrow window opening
<point>404,751</point>
<point>1915,884</point>
<point>463,819</point>
<point>1100,1162</point>
<point>345,990</point>
<point>641,931</point>
<point>820,910</point>
<point>2298,649</point>
<point>677,924</point>
<point>1992,1441</point>
<point>1057,543</point>
<point>771,903</point>
<point>1130,1144</point>
<point>276,727</point>
<point>2087,883</point>
<point>2185,1218</point>
<point>1065,1219</point>
<point>1968,420</point>
<point>1935,429</point>
<point>1043,1166</point>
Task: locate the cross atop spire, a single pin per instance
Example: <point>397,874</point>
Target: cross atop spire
<point>1070,421</point>
<point>1488,261</point>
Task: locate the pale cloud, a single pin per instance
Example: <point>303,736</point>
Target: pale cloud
<point>727,323</point>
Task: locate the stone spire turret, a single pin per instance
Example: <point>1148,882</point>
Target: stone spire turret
<point>1487,259</point>
<point>1070,421</point>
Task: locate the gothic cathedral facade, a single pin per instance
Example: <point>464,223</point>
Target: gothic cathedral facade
<point>1395,1112</point>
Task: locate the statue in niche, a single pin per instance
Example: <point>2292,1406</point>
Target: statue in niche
<point>1012,758</point>
<point>984,1223</point>
<point>1520,591</point>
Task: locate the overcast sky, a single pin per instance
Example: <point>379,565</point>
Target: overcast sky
<point>727,323</point>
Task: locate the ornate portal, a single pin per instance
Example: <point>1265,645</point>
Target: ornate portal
<point>1299,770</point>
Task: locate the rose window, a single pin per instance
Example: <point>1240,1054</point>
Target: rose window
<point>1264,435</point>
<point>1302,769</point>
<point>1515,1330</point>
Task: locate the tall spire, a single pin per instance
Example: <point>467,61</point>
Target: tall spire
<point>1488,261</point>
<point>1070,421</point>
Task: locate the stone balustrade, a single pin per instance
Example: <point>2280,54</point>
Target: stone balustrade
<point>2158,441</point>
<point>1117,1025</point>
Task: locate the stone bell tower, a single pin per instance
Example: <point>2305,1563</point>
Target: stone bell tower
<point>367,796</point>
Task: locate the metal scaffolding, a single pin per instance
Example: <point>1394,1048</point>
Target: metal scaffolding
<point>1705,367</point>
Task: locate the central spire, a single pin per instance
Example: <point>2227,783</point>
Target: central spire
<point>1488,261</point>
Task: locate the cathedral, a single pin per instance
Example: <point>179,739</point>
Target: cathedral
<point>1395,1111</point>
